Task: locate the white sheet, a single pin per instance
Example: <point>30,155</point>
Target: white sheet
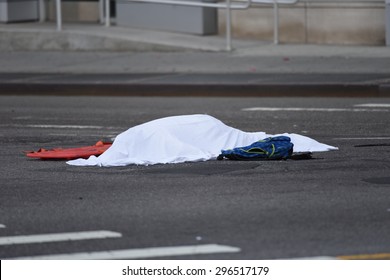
<point>187,138</point>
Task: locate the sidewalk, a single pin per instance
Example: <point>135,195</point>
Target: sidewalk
<point>96,60</point>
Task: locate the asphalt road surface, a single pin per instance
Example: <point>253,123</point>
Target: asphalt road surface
<point>334,205</point>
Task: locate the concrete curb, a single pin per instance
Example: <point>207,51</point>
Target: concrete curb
<point>197,90</point>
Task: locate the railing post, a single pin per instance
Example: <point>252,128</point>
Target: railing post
<point>108,23</point>
<point>387,22</point>
<point>59,15</point>
<point>228,26</point>
<point>101,12</point>
<point>42,10</point>
<point>276,23</point>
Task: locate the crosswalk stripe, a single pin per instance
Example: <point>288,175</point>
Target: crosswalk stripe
<point>153,252</point>
<point>57,237</point>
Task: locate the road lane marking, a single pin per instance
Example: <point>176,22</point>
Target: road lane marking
<point>64,126</point>
<point>59,126</point>
<point>22,118</point>
<point>113,129</point>
<point>377,256</point>
<point>108,136</point>
<point>57,237</point>
<point>373,105</point>
<point>361,138</point>
<point>314,258</point>
<point>297,109</point>
<point>2,226</point>
<point>153,252</point>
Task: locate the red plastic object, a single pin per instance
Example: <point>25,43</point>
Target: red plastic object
<point>71,153</point>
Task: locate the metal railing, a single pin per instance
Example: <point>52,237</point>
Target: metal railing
<point>276,4</point>
<point>228,5</point>
<point>59,15</point>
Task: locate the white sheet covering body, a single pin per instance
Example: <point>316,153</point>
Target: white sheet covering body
<point>187,138</point>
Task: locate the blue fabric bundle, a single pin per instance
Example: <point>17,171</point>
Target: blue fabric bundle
<point>279,147</point>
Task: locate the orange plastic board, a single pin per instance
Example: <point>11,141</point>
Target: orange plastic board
<point>71,153</point>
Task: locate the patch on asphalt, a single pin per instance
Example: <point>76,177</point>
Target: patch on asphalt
<point>378,180</point>
<point>372,145</point>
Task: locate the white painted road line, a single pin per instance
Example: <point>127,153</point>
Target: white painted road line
<point>113,129</point>
<point>362,138</point>
<point>373,105</point>
<point>57,237</point>
<point>297,109</point>
<point>64,126</point>
<point>2,226</point>
<point>56,126</point>
<point>154,252</point>
<point>318,258</point>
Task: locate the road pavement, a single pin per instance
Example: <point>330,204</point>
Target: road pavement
<point>265,71</point>
<point>334,205</point>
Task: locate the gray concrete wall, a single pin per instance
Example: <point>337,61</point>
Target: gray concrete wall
<point>86,11</point>
<point>317,22</point>
<point>350,22</point>
<point>193,20</point>
<point>18,11</point>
